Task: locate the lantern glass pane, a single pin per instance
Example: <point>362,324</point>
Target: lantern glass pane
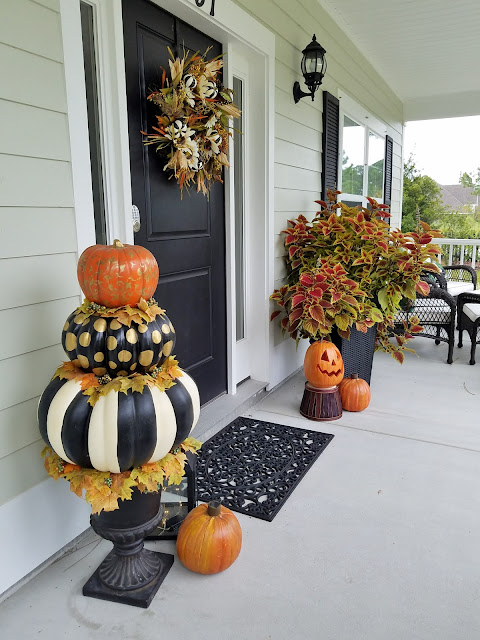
<point>311,63</point>
<point>175,506</point>
<point>353,157</point>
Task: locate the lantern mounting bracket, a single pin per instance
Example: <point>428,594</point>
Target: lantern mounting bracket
<point>298,94</point>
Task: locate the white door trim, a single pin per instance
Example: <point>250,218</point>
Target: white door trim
<point>77,122</point>
<point>230,25</point>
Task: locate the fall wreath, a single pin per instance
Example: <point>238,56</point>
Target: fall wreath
<point>102,489</point>
<point>193,125</point>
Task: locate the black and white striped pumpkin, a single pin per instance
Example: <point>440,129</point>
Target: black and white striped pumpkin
<point>215,137</point>
<point>121,431</point>
<point>103,345</point>
<point>179,129</point>
<point>211,90</point>
<point>190,81</point>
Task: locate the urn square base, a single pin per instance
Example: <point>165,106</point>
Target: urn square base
<point>142,597</point>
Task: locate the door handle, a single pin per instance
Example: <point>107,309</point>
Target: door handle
<point>135,218</point>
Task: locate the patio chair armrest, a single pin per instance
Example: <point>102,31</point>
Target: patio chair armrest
<point>464,298</point>
<point>466,273</point>
<point>445,296</point>
<point>440,280</point>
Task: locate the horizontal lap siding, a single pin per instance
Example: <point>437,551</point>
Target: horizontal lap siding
<point>298,127</point>
<point>38,241</point>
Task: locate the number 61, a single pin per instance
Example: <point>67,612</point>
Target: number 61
<point>200,3</point>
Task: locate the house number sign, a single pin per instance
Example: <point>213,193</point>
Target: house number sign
<point>200,3</point>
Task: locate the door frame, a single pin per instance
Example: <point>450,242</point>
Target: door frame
<point>234,28</point>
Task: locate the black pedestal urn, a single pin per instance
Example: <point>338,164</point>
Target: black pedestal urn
<point>130,574</point>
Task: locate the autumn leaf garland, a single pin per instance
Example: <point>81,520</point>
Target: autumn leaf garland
<point>144,312</point>
<point>102,489</point>
<point>162,377</point>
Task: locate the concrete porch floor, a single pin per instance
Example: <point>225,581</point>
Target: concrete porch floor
<point>379,541</point>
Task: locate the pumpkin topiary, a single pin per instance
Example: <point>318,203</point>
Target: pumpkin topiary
<point>323,365</point>
<point>122,430</point>
<point>209,539</point>
<point>117,275</point>
<point>104,345</point>
<point>355,393</point>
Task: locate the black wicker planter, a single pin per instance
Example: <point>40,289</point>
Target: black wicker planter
<point>357,353</point>
<point>129,574</point>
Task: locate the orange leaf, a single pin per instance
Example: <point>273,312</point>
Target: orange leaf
<point>71,467</point>
<point>422,288</point>
<point>88,380</point>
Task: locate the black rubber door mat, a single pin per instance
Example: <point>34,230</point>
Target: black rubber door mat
<point>253,466</point>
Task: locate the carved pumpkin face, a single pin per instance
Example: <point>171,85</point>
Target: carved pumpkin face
<point>323,365</point>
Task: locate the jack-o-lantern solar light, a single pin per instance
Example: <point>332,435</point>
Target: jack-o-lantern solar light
<point>324,370</point>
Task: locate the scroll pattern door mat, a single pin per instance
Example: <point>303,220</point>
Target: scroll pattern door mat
<point>253,466</point>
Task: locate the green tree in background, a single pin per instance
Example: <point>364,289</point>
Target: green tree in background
<point>471,181</point>
<point>458,224</point>
<point>352,176</point>
<point>421,196</point>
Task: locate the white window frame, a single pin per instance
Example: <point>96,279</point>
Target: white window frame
<point>354,111</point>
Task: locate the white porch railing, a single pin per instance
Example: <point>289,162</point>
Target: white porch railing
<point>460,251</point>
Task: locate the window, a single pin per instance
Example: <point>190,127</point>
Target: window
<point>363,162</point>
<point>90,66</point>
<point>239,188</point>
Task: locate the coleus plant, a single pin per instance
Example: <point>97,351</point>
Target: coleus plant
<point>348,268</point>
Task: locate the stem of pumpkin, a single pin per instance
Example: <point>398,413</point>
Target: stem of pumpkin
<point>117,244</point>
<point>214,508</point>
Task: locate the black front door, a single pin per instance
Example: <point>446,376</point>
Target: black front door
<point>186,236</point>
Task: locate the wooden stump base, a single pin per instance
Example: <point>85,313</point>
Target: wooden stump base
<point>321,404</point>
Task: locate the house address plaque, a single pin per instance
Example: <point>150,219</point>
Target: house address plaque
<point>200,3</point>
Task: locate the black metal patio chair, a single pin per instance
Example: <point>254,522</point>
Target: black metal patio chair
<point>460,278</point>
<point>468,310</point>
<point>435,312</point>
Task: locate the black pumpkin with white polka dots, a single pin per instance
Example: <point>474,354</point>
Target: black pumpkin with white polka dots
<point>104,345</point>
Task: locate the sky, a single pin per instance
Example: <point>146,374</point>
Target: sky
<point>444,148</point>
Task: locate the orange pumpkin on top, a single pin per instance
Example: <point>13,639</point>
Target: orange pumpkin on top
<point>323,365</point>
<point>117,275</point>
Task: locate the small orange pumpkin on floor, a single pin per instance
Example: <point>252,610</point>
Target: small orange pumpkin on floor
<point>354,393</point>
<point>323,365</point>
<point>209,539</point>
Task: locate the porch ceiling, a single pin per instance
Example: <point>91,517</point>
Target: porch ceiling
<point>427,51</point>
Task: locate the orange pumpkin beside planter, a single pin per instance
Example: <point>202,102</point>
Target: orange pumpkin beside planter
<point>355,393</point>
<point>117,275</point>
<point>323,365</point>
<point>209,539</point>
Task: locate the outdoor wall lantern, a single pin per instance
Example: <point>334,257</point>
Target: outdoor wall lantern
<point>314,65</point>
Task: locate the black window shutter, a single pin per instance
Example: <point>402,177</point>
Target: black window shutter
<point>331,115</point>
<point>387,187</point>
